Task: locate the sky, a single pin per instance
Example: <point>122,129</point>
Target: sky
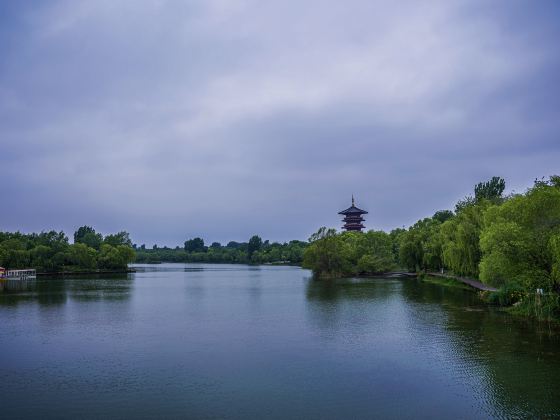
<point>223,119</point>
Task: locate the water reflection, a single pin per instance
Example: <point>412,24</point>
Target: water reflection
<point>112,288</point>
<point>350,289</point>
<point>53,291</point>
<point>259,340</point>
<point>520,358</point>
<point>353,306</point>
<point>509,365</point>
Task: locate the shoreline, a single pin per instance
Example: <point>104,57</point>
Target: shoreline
<point>85,273</point>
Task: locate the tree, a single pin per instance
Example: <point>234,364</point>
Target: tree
<point>255,244</point>
<point>395,236</point>
<point>411,253</point>
<point>83,256</point>
<point>442,215</point>
<point>374,253</point>
<point>348,253</point>
<point>464,203</point>
<point>236,245</point>
<point>195,245</point>
<point>521,238</point>
<point>461,240</point>
<point>120,238</point>
<point>115,258</point>
<point>41,257</point>
<point>490,190</point>
<point>87,235</point>
<point>56,241</point>
<point>325,254</point>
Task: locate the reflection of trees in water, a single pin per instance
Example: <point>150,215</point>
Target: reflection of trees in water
<point>522,360</point>
<point>348,289</point>
<point>55,291</point>
<point>512,364</point>
<point>51,292</point>
<point>115,287</point>
<point>519,360</point>
<point>44,291</point>
<point>332,304</point>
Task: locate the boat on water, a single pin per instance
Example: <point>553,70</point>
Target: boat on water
<point>17,280</point>
<point>25,274</point>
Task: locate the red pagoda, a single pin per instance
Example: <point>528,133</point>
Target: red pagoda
<point>353,218</point>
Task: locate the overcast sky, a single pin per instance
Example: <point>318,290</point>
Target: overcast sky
<point>222,119</point>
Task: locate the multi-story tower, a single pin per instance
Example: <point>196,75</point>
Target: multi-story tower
<point>353,218</point>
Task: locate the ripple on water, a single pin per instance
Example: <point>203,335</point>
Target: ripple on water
<point>264,342</point>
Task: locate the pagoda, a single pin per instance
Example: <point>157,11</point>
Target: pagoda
<point>353,218</point>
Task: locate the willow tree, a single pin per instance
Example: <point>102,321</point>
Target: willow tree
<point>461,239</point>
<point>521,240</point>
<point>326,254</point>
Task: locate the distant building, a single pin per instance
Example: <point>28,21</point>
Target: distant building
<point>353,218</point>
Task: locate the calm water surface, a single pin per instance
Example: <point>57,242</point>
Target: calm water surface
<point>215,341</point>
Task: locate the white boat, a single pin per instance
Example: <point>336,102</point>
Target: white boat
<point>17,274</point>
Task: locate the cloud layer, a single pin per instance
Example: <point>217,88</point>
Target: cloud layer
<point>221,119</point>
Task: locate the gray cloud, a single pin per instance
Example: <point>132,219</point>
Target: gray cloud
<point>172,119</point>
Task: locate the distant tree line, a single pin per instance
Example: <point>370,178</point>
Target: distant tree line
<point>52,252</point>
<point>510,242</point>
<point>255,251</point>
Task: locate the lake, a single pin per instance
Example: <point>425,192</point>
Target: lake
<point>234,341</point>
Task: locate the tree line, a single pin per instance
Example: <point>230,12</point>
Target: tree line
<point>510,242</point>
<point>255,251</point>
<point>52,252</point>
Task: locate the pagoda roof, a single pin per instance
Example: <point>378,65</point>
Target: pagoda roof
<point>352,209</point>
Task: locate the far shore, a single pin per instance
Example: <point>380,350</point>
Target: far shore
<point>85,273</point>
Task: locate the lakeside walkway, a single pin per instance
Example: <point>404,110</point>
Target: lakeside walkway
<point>471,282</point>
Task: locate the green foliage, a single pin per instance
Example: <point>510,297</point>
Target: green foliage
<point>234,252</point>
<point>81,232</point>
<point>410,250</point>
<point>41,257</point>
<point>509,294</point>
<point>520,240</point>
<point>464,203</point>
<point>542,307</point>
<point>255,244</point>
<point>461,240</point>
<point>51,252</point>
<point>115,258</point>
<point>420,247</point>
<point>349,253</point>
<point>87,235</point>
<point>326,253</point>
<point>445,281</point>
<point>511,243</point>
<point>83,256</point>
<point>443,215</point>
<point>554,246</point>
<point>490,190</point>
<point>195,245</point>
<point>395,236</point>
<point>120,238</point>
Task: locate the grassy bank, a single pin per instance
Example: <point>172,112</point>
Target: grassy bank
<point>517,302</point>
<point>446,282</point>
